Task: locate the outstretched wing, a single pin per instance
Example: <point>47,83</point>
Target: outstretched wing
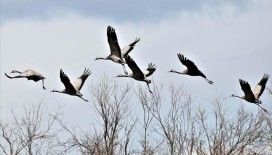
<point>150,70</point>
<point>125,51</point>
<point>133,66</point>
<point>113,42</point>
<point>186,62</point>
<point>66,81</point>
<point>79,82</point>
<point>258,90</point>
<point>246,89</point>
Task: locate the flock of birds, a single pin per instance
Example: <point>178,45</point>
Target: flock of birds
<point>121,56</point>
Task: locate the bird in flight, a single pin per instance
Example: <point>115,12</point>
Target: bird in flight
<point>191,70</point>
<point>28,74</point>
<point>137,73</point>
<point>253,96</point>
<point>116,54</point>
<point>73,88</point>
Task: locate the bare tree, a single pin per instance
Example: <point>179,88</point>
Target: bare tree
<point>241,134</point>
<point>111,103</point>
<point>206,131</point>
<point>174,119</point>
<point>148,146</point>
<point>167,122</point>
<point>31,133</point>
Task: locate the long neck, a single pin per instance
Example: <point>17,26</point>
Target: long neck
<point>100,58</point>
<point>57,91</point>
<point>120,75</point>
<point>241,97</point>
<point>173,71</point>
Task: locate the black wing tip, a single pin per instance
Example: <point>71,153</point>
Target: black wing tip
<point>152,66</point>
<point>266,76</point>
<point>110,29</point>
<point>243,82</point>
<point>181,57</point>
<point>62,73</point>
<point>87,71</point>
<point>264,80</point>
<point>137,40</point>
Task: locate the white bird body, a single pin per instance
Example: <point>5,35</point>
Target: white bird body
<point>73,89</point>
<point>116,54</point>
<point>116,59</point>
<point>28,74</point>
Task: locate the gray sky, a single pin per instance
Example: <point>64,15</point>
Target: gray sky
<point>228,40</point>
<point>118,10</point>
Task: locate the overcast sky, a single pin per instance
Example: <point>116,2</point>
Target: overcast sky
<point>228,40</point>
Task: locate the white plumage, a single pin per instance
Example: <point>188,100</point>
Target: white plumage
<point>28,74</point>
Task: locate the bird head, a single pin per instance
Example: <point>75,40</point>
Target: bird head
<point>210,82</point>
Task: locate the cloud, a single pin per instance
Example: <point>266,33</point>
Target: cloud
<point>117,10</point>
